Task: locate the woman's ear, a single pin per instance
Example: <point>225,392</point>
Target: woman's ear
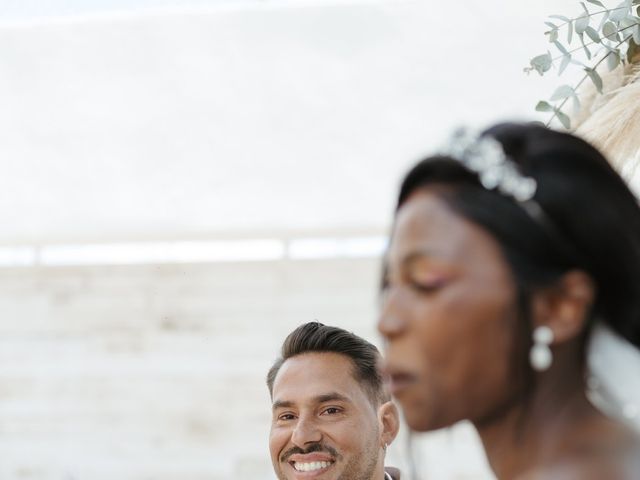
<point>564,307</point>
<point>389,420</point>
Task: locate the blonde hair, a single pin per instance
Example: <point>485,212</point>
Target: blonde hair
<point>611,120</point>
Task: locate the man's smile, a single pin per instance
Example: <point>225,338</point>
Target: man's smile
<point>310,466</point>
<point>316,462</point>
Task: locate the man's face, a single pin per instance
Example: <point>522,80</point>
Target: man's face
<point>324,426</point>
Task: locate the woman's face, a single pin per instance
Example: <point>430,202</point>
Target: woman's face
<point>448,316</point>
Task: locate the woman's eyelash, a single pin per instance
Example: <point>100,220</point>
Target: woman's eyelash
<point>428,286</point>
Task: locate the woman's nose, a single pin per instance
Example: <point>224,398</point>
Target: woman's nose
<point>390,323</point>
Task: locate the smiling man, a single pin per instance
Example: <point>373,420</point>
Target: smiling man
<point>332,417</point>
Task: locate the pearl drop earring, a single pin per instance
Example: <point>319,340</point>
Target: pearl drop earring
<point>540,356</point>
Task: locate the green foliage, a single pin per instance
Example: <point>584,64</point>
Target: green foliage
<point>543,106</point>
<point>604,34</point>
<point>595,78</point>
<point>541,63</point>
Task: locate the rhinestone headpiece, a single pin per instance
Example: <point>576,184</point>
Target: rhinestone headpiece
<point>485,156</point>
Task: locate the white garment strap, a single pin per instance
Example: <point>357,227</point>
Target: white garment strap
<point>387,476</point>
<point>614,383</point>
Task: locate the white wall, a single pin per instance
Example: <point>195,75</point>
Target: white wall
<point>157,372</point>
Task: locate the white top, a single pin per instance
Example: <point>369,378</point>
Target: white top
<point>614,383</point>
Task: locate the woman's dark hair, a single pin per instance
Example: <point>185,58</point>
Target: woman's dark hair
<point>594,218</point>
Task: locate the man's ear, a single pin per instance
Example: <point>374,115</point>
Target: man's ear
<point>564,307</point>
<point>389,420</point>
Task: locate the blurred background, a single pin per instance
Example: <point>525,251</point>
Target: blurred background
<point>184,182</point>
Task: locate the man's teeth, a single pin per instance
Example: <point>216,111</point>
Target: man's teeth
<point>311,466</point>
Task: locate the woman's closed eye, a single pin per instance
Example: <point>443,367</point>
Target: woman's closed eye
<point>427,286</point>
<point>426,280</point>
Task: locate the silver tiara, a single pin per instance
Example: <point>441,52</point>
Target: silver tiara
<point>485,156</point>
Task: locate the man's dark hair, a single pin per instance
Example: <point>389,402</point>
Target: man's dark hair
<point>314,337</point>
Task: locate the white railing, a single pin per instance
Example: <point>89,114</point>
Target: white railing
<point>193,251</point>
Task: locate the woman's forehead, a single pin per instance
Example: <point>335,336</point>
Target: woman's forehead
<point>426,225</point>
<point>428,230</point>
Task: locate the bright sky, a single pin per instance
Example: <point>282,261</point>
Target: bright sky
<point>23,9</point>
<point>261,118</point>
<point>30,9</point>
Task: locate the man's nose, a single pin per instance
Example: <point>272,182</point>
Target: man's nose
<point>306,431</point>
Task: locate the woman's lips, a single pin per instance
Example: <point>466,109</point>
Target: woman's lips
<point>399,381</point>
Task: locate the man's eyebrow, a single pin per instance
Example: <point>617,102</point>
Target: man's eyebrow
<point>332,397</point>
<point>281,404</point>
<point>325,397</point>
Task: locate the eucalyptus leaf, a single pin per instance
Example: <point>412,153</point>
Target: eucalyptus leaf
<point>553,36</point>
<point>584,7</point>
<point>581,24</point>
<point>627,26</point>
<point>592,34</point>
<point>569,32</point>
<point>552,25</point>
<point>610,31</point>
<point>596,2</point>
<point>541,63</point>
<point>595,78</point>
<point>613,60</point>
<point>566,60</point>
<point>619,12</point>
<point>628,22</point>
<point>562,92</point>
<point>636,34</point>
<point>543,106</point>
<point>564,119</point>
<point>560,47</point>
<point>604,18</point>
<point>575,102</point>
<point>587,52</point>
